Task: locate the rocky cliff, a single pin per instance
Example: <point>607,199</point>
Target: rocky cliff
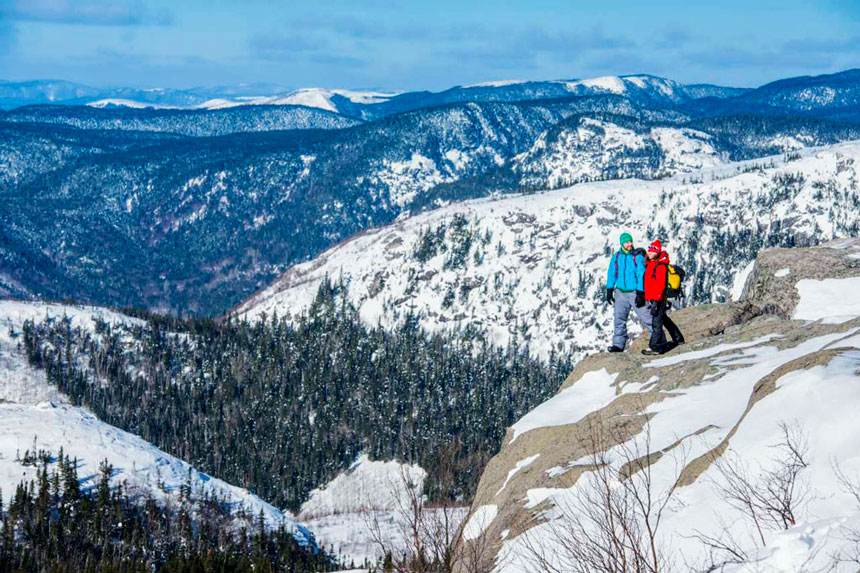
<point>738,451</point>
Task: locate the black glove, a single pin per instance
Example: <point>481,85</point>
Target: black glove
<point>610,295</point>
<point>640,299</point>
<point>656,307</point>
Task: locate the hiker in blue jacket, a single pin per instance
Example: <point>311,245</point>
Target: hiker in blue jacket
<point>625,288</point>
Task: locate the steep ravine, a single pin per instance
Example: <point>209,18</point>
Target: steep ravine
<point>786,353</point>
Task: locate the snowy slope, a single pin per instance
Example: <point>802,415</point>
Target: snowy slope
<point>822,398</point>
<point>722,404</point>
<point>642,87</point>
<point>593,149</point>
<point>33,411</point>
<point>533,266</point>
<point>367,504</point>
<point>309,97</point>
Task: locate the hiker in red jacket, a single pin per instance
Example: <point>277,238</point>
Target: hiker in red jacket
<point>656,281</point>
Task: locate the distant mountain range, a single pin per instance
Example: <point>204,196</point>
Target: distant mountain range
<point>359,104</point>
<point>801,93</point>
<point>192,210</point>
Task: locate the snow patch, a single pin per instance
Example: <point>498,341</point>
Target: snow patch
<point>741,281</point>
<point>366,485</point>
<point>480,521</point>
<point>612,84</point>
<point>782,273</point>
<point>522,464</point>
<point>833,301</point>
<point>591,392</point>
<point>495,84</point>
<point>707,352</point>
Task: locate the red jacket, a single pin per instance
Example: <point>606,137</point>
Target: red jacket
<point>655,277</point>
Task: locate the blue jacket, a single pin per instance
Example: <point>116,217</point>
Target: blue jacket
<point>626,271</point>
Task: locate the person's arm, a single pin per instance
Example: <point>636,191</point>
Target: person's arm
<point>640,273</point>
<point>611,272</point>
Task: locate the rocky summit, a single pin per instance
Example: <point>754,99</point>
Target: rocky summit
<point>719,455</point>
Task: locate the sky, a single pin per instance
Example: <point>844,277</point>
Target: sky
<point>412,45</point>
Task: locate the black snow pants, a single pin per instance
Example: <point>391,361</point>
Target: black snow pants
<point>660,319</point>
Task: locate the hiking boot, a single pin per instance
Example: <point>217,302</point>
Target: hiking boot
<point>679,341</point>
<point>649,352</point>
<point>615,349</point>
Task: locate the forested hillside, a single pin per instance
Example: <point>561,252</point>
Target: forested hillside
<point>57,524</point>
<point>281,408</point>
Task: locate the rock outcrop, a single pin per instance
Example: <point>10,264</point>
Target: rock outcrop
<point>784,355</point>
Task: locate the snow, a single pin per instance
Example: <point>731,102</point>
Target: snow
<point>137,463</point>
<point>741,281</point>
<point>685,149</point>
<point>479,521</point>
<point>366,97</point>
<point>495,84</point>
<point>366,485</point>
<point>591,392</point>
<point>310,97</point>
<point>319,98</point>
<point>612,84</point>
<point>707,352</point>
<point>782,273</point>
<point>686,423</point>
<point>219,103</point>
<point>18,381</point>
<point>119,102</point>
<point>832,301</point>
<point>522,464</point>
<point>371,499</point>
<point>407,178</point>
<point>592,148</point>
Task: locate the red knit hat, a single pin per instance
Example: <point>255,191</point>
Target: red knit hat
<point>656,246</point>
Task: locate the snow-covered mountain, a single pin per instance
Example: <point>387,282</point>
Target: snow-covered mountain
<point>532,266</point>
<point>590,149</point>
<point>355,103</point>
<point>197,209</point>
<point>828,91</point>
<point>15,94</point>
<point>34,416</point>
<point>737,452</point>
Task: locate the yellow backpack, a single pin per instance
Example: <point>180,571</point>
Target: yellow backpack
<point>674,281</point>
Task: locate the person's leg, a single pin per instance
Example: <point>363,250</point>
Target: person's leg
<point>658,338</point>
<point>672,328</point>
<point>622,310</point>
<point>644,314</point>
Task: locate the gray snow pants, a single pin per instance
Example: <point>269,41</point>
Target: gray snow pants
<point>624,301</point>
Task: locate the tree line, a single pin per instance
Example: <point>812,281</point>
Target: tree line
<point>54,524</point>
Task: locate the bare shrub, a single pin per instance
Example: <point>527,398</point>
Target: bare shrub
<point>767,499</point>
<point>429,538</point>
<point>611,521</point>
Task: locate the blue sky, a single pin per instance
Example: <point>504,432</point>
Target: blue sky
<point>421,45</point>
